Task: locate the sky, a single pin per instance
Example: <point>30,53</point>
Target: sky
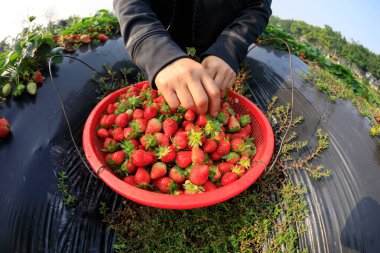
<point>355,20</point>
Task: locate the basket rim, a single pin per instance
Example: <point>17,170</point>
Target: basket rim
<point>160,200</point>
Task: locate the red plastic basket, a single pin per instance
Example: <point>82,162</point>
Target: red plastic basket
<point>261,131</point>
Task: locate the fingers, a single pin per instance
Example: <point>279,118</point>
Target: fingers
<point>171,98</point>
<point>195,85</point>
<point>222,74</point>
<point>200,97</point>
<point>185,97</point>
<point>213,93</point>
<point>228,81</point>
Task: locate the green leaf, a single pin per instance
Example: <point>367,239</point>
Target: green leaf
<point>31,18</point>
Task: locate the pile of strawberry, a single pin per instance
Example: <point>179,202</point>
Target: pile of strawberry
<point>152,146</point>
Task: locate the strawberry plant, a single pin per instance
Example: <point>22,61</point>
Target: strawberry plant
<point>21,67</point>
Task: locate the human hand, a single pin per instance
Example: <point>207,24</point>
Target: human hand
<point>222,74</point>
<point>186,82</point>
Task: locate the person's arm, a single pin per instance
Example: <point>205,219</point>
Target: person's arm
<point>223,57</point>
<point>180,79</point>
<point>145,38</point>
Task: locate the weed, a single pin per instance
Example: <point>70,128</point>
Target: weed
<point>335,88</point>
<point>62,186</point>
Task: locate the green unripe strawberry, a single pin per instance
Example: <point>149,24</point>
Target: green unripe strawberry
<point>31,87</point>
<point>6,90</point>
<point>19,89</point>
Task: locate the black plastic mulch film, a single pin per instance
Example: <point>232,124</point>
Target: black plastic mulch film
<point>344,209</point>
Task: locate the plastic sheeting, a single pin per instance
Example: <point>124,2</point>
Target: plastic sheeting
<point>344,208</point>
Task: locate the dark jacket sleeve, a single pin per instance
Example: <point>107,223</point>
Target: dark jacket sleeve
<point>232,44</point>
<point>145,38</point>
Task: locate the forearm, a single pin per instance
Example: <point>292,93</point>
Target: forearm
<point>233,42</point>
<point>146,39</point>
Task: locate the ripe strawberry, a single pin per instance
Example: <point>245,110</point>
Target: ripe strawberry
<point>103,120</point>
<point>110,120</point>
<point>238,170</point>
<point>138,114</point>
<point>229,178</point>
<point>153,93</point>
<point>160,100</point>
<point>111,109</point>
<point>183,159</point>
<point>215,156</point>
<point>225,167</point>
<point>179,140</point>
<point>236,144</point>
<point>220,136</point>
<point>198,157</point>
<point>118,157</point>
<point>199,174</point>
<point>166,154</point>
<point>148,141</point>
<point>209,186</point>
<point>241,134</point>
<point>215,173</point>
<point>189,115</point>
<point>154,126</point>
<point>132,88</point>
<point>223,147</point>
<point>133,99</point>
<point>158,170</point>
<point>128,167</point>
<point>165,184</point>
<point>110,145</point>
<point>151,156</point>
<point>38,78</point>
<point>102,132</point>
<point>122,120</point>
<point>145,86</point>
<point>169,127</point>
<point>118,134</point>
<point>233,125</point>
<point>150,112</point>
<point>130,180</point>
<point>201,120</point>
<point>142,176</point>
<point>162,140</point>
<point>134,142</point>
<point>248,129</point>
<point>129,133</point>
<point>187,125</point>
<point>141,158</point>
<point>209,146</point>
<point>139,125</point>
<point>4,128</point>
<point>177,174</point>
<point>232,157</point>
<point>102,37</point>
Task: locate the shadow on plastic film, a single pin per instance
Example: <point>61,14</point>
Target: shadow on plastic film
<point>362,227</point>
